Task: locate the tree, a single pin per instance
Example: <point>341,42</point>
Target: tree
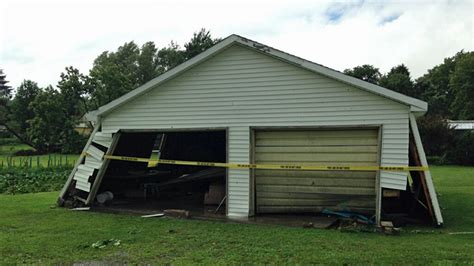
<point>13,125</point>
<point>5,90</point>
<point>20,111</point>
<point>48,122</point>
<point>201,41</point>
<point>5,95</point>
<point>399,80</point>
<point>366,72</point>
<point>461,82</point>
<point>115,73</point>
<point>170,57</point>
<point>74,88</point>
<point>147,63</point>
<point>435,88</point>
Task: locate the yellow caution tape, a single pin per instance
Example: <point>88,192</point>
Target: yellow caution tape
<point>271,166</point>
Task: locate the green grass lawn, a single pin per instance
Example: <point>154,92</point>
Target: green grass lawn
<point>33,231</point>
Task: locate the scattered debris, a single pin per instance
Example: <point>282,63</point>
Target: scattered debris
<point>351,225</point>
<point>425,232</point>
<point>461,233</point>
<point>102,198</point>
<point>308,225</point>
<point>153,215</point>
<point>387,228</point>
<point>351,215</point>
<point>215,194</point>
<point>81,209</point>
<point>103,243</point>
<point>220,204</point>
<point>177,213</point>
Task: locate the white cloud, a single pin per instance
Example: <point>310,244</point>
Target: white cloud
<point>38,39</point>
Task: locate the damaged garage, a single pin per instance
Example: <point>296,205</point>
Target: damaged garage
<point>242,102</point>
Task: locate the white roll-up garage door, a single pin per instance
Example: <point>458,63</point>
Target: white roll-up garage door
<point>286,191</point>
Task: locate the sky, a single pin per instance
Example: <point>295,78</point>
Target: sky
<point>38,39</point>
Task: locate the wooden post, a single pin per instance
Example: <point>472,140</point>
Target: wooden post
<point>432,197</point>
<point>378,187</point>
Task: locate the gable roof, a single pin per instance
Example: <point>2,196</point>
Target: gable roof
<point>415,104</point>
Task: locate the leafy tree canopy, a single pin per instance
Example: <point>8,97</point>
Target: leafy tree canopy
<point>435,87</point>
<point>20,111</point>
<point>461,81</point>
<point>5,90</point>
<point>200,42</point>
<point>367,73</point>
<point>399,80</point>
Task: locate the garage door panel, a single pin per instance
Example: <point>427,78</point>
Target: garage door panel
<point>317,142</point>
<point>316,157</point>
<point>303,191</point>
<point>310,163</point>
<point>314,196</point>
<point>323,190</point>
<point>360,203</point>
<point>316,174</point>
<point>318,149</point>
<point>341,133</point>
<point>316,182</point>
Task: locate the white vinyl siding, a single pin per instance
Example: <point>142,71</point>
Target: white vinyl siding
<point>240,88</point>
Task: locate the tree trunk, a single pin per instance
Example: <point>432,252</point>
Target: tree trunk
<point>18,136</point>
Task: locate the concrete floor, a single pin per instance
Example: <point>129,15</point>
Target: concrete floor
<point>201,212</point>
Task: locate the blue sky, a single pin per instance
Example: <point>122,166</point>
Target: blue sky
<point>38,39</point>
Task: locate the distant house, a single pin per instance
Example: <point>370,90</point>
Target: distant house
<point>83,127</point>
<point>461,124</point>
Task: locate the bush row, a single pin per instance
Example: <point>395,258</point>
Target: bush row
<point>27,180</point>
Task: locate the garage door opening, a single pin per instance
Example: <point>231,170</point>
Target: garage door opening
<point>312,192</point>
<point>146,187</point>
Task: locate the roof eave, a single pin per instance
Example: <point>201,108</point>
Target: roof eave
<point>416,106</point>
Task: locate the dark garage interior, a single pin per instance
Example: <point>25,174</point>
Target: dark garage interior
<point>144,188</point>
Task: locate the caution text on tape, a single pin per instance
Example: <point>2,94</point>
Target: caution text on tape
<point>271,166</point>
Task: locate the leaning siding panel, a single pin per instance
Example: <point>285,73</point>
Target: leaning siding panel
<point>240,88</point>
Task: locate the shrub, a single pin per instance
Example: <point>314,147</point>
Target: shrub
<point>27,180</point>
<point>462,150</point>
<point>444,145</point>
<point>8,141</point>
<point>27,153</point>
<point>436,135</point>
